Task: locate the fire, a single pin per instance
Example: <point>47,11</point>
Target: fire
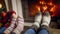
<point>42,2</point>
<point>38,8</point>
<point>52,9</point>
<point>50,3</point>
<point>44,8</point>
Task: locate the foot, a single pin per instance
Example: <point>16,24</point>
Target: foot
<point>11,27</point>
<point>16,31</point>
<point>6,32</point>
<point>37,22</point>
<point>20,25</point>
<point>46,19</point>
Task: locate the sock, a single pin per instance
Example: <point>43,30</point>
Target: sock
<point>20,26</point>
<point>11,27</point>
<point>38,18</point>
<point>46,19</point>
<point>36,24</point>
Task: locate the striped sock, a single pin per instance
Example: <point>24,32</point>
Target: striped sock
<point>12,24</point>
<point>11,27</point>
<point>20,26</point>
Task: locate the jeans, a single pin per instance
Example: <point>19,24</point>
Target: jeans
<point>2,30</point>
<point>32,31</point>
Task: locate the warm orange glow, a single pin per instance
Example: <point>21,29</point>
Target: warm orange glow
<point>4,13</point>
<point>38,8</point>
<point>33,13</point>
<point>50,4</point>
<point>44,8</point>
<point>52,9</point>
<point>53,15</point>
<point>42,2</point>
<point>0,5</point>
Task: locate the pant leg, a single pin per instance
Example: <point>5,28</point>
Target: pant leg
<point>2,30</point>
<point>30,31</point>
<point>43,30</point>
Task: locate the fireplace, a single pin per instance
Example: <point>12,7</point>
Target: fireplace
<point>32,7</point>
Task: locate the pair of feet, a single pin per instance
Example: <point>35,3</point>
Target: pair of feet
<point>42,19</point>
<point>15,21</point>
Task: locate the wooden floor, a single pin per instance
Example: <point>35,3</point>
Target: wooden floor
<point>55,31</point>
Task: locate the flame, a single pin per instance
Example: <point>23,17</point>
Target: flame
<point>44,8</point>
<point>53,9</point>
<point>50,3</point>
<point>42,2</point>
<point>34,10</point>
<point>38,8</point>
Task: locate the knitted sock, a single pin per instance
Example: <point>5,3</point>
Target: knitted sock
<point>38,18</point>
<point>20,26</point>
<point>11,27</point>
<point>46,19</point>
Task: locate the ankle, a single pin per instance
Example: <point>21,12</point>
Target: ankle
<point>36,24</point>
<point>45,24</point>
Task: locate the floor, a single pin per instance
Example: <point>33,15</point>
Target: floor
<point>52,30</point>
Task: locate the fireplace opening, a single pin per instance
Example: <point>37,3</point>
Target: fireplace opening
<point>32,7</point>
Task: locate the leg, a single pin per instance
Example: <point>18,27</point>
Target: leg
<point>43,30</point>
<point>45,23</point>
<point>37,22</point>
<point>2,30</point>
<point>30,31</point>
<point>35,26</point>
<point>20,26</point>
<point>11,27</point>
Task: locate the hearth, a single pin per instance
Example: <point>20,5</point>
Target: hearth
<point>32,7</point>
